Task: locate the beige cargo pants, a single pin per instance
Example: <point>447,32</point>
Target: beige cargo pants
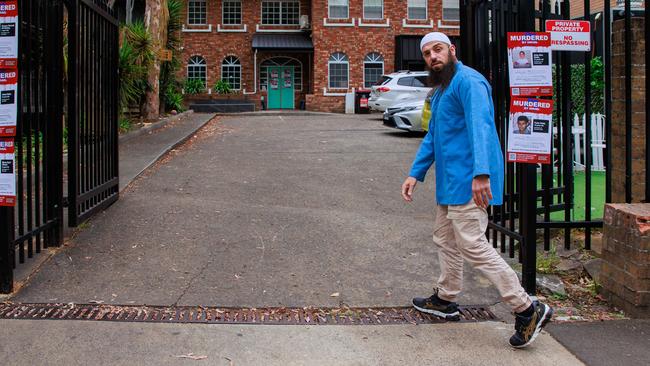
<point>459,233</point>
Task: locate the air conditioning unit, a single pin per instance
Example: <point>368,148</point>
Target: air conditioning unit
<point>304,22</point>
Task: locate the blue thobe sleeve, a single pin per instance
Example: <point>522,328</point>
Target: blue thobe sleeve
<point>424,158</point>
<point>475,96</point>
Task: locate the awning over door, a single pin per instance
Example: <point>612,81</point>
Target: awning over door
<point>283,41</point>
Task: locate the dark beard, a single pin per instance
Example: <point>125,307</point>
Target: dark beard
<point>443,77</point>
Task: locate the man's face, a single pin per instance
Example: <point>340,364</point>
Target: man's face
<point>437,54</point>
<point>522,124</point>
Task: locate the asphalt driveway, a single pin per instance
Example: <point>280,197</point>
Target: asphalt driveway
<point>262,211</point>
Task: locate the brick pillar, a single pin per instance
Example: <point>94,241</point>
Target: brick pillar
<point>625,276</point>
<point>617,144</point>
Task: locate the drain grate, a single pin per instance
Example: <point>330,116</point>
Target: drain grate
<point>216,315</point>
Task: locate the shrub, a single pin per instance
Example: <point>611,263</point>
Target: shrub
<point>194,86</point>
<point>173,98</point>
<point>222,87</point>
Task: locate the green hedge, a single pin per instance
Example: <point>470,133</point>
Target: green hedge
<point>578,87</point>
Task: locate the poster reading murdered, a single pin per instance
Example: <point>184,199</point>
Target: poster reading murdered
<point>8,101</point>
<point>529,64</point>
<point>7,172</point>
<point>8,33</point>
<point>530,130</point>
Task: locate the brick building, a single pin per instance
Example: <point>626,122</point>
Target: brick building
<point>283,53</point>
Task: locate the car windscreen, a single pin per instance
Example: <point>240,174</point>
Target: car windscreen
<point>383,80</point>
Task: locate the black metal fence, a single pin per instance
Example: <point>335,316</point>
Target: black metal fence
<point>528,208</point>
<point>88,121</point>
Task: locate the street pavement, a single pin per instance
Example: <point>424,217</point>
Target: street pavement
<point>254,211</point>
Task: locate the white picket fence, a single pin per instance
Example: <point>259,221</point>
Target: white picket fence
<point>597,142</point>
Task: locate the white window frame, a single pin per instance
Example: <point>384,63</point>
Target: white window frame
<point>371,58</point>
<point>382,11</point>
<point>205,2</point>
<point>223,12</point>
<point>338,61</point>
<point>450,7</point>
<point>278,1</point>
<point>426,10</point>
<point>329,15</point>
<point>198,62</point>
<point>236,64</point>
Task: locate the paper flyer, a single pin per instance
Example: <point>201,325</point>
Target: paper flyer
<point>530,131</point>
<point>8,33</point>
<point>529,64</point>
<point>8,101</point>
<point>7,172</point>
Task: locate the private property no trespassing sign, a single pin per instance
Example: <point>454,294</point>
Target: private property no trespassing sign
<point>569,35</point>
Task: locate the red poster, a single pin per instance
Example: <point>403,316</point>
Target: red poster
<point>529,64</point>
<point>8,8</point>
<point>530,131</point>
<point>7,172</point>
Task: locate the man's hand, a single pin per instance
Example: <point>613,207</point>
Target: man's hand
<point>407,188</point>
<point>481,191</point>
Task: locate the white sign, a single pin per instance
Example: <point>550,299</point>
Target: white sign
<point>530,130</point>
<point>7,172</point>
<point>529,63</point>
<point>569,35</point>
<point>8,101</point>
<point>8,33</point>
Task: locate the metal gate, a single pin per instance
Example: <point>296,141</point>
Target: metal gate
<point>88,121</point>
<point>527,208</point>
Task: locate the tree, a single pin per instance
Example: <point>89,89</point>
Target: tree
<point>156,16</point>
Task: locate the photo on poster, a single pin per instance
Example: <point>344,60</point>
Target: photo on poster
<point>529,65</point>
<point>529,131</point>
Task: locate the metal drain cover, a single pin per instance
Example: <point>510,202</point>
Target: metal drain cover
<point>223,315</point>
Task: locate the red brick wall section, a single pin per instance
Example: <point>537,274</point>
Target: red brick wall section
<point>638,111</point>
<point>356,42</point>
<point>625,275</point>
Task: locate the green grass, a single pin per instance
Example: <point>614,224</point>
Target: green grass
<point>597,196</point>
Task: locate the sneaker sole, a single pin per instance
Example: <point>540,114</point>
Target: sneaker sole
<point>548,313</point>
<point>447,316</point>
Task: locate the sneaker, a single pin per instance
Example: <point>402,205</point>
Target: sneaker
<point>527,328</point>
<point>433,305</point>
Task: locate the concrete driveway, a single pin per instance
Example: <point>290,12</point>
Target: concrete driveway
<point>263,211</point>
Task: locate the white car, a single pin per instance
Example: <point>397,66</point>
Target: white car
<point>398,87</point>
<point>405,116</point>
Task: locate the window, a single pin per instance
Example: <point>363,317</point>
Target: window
<point>231,72</point>
<point>197,69</point>
<point>338,71</point>
<point>338,9</point>
<point>417,9</point>
<point>450,10</point>
<point>421,82</point>
<point>373,9</point>
<point>281,61</point>
<point>373,69</point>
<point>231,12</point>
<point>196,12</point>
<point>285,12</point>
<point>407,81</point>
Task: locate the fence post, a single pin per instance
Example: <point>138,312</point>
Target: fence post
<point>528,217</point>
<point>7,250</point>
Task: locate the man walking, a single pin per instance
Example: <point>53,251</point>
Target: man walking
<point>463,142</point>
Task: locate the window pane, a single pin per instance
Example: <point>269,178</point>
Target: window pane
<point>420,82</point>
<point>417,9</point>
<point>196,12</point>
<point>405,81</point>
<point>338,9</point>
<point>372,9</point>
<point>372,73</point>
<point>231,12</point>
<point>281,12</point>
<point>339,75</point>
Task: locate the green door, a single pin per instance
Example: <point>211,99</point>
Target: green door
<point>280,87</point>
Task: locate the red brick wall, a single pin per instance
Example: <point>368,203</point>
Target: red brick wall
<point>356,42</point>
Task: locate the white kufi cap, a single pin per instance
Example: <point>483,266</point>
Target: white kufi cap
<point>434,37</point>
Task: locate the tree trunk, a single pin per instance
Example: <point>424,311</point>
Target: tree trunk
<point>129,11</point>
<point>155,19</point>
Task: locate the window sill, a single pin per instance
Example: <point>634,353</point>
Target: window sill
<point>232,30</point>
<point>449,26</point>
<point>335,94</point>
<point>274,28</point>
<point>327,24</point>
<point>387,24</point>
<point>417,25</point>
<point>198,30</point>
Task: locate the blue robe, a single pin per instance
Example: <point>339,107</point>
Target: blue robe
<point>462,140</point>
